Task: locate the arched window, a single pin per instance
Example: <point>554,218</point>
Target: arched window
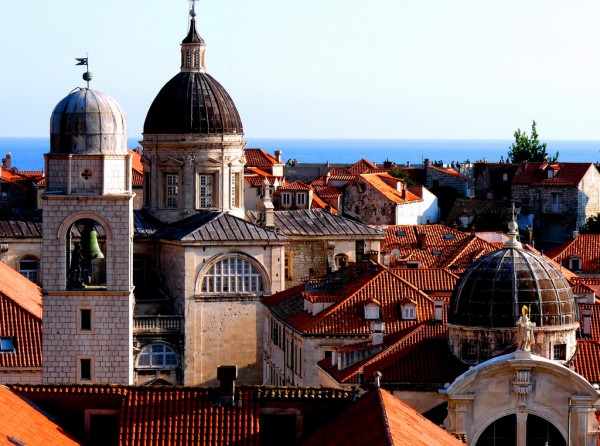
<point>232,275</point>
<point>159,356</point>
<point>29,267</point>
<point>86,265</point>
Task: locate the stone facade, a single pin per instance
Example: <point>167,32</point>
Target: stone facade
<point>99,349</point>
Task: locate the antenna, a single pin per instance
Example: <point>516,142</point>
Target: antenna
<point>87,76</point>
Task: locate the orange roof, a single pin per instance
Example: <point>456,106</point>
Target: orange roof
<point>362,166</point>
<point>386,185</point>
<point>19,420</point>
<point>259,158</point>
<point>584,246</point>
<point>587,360</point>
<point>317,203</point>
<point>295,185</point>
<point>346,316</point>
<point>435,246</point>
<point>448,171</point>
<point>565,174</point>
<point>137,168</point>
<point>20,290</point>
<point>428,279</point>
<point>380,419</point>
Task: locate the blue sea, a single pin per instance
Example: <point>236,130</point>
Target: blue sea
<point>27,153</point>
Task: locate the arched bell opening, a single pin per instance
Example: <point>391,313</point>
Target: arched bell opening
<point>86,263</point>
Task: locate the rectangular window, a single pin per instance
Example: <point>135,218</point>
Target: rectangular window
<point>206,191</point>
<point>409,313</point>
<point>29,268</point>
<point>233,192</point>
<point>300,198</point>
<point>85,319</point>
<point>6,345</point>
<point>560,351</point>
<point>286,198</point>
<point>85,369</point>
<point>172,193</point>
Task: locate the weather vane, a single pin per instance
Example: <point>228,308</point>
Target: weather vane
<point>87,76</point>
<point>193,8</point>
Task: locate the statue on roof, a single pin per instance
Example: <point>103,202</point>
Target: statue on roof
<point>525,335</point>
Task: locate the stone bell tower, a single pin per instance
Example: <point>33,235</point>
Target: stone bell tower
<point>87,244</point>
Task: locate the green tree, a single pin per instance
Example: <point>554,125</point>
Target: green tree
<point>528,148</point>
<point>402,174</point>
<point>592,225</point>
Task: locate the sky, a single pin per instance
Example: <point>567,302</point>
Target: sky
<point>393,69</point>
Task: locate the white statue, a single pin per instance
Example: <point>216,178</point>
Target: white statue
<point>525,336</point>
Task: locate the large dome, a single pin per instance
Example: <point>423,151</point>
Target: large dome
<point>193,102</point>
<point>88,122</point>
<point>493,290</point>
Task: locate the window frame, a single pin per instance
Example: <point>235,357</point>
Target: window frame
<point>232,275</point>
<point>206,190</point>
<point>32,274</point>
<point>286,199</point>
<point>85,365</point>
<point>166,351</point>
<point>171,191</point>
<point>7,344</point>
<point>81,320</point>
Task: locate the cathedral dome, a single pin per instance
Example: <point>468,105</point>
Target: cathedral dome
<point>492,291</point>
<point>88,122</point>
<point>193,102</point>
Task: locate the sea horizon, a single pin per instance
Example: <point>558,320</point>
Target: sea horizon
<point>27,152</point>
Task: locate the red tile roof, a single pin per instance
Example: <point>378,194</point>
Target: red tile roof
<point>295,185</point>
<point>21,421</point>
<point>584,246</point>
<point>346,316</point>
<point>386,185</point>
<point>137,168</point>
<point>20,319</point>
<point>259,158</point>
<point>569,174</point>
<point>587,360</point>
<point>362,166</point>
<point>428,279</point>
<point>448,171</point>
<point>435,246</point>
<point>380,419</point>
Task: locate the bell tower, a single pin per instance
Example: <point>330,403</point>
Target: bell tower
<point>87,244</point>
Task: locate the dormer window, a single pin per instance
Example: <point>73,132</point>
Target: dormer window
<point>575,263</point>
<point>300,198</point>
<point>286,198</point>
<point>415,264</point>
<point>409,310</point>
<point>551,173</point>
<point>373,310</point>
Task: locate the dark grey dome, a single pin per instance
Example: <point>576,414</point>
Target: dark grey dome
<point>193,102</point>
<point>494,288</point>
<point>88,122</point>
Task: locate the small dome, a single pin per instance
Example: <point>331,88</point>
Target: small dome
<point>88,122</point>
<point>193,102</point>
<point>493,290</point>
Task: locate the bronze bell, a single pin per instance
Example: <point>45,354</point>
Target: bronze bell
<point>90,249</point>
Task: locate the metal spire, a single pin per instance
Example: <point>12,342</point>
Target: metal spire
<point>87,76</point>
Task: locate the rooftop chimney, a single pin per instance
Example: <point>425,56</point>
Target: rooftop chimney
<point>422,240</point>
<point>278,155</point>
<point>586,314</point>
<point>227,375</point>
<point>439,308</point>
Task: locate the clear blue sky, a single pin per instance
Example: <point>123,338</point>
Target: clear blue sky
<point>321,68</point>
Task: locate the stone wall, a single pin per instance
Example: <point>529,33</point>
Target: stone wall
<point>366,204</point>
<point>308,259</point>
<point>25,376</point>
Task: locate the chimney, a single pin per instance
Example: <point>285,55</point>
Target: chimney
<point>586,314</point>
<point>439,310</point>
<point>7,162</point>
<point>378,327</point>
<point>387,164</point>
<point>327,177</point>
<point>575,234</point>
<point>278,155</point>
<point>227,375</point>
<point>422,240</point>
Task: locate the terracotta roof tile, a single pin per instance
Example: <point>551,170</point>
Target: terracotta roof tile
<point>568,174</point>
<point>428,279</point>
<point>584,246</point>
<point>386,185</point>
<point>380,419</point>
<point>21,421</point>
<point>346,316</point>
<point>587,360</point>
<point>362,166</point>
<point>449,171</point>
<point>259,158</point>
<point>295,185</point>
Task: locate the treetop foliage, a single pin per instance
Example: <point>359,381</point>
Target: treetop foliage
<point>528,148</point>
